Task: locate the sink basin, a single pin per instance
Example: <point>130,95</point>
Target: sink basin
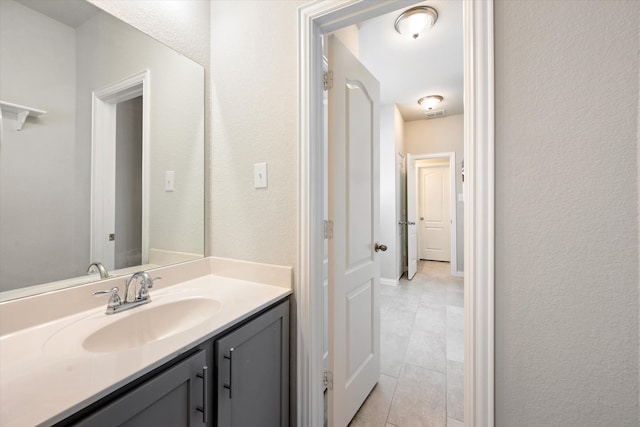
<point>152,324</point>
<point>130,329</point>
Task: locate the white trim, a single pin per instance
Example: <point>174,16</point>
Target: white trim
<point>453,234</point>
<point>103,118</point>
<point>459,273</point>
<point>315,19</point>
<point>389,282</point>
<point>479,213</point>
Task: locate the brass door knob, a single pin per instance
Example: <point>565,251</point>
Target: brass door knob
<point>382,248</point>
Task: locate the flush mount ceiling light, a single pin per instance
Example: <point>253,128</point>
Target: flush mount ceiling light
<point>415,21</point>
<point>428,102</point>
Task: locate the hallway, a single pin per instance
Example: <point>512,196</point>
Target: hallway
<point>422,353</point>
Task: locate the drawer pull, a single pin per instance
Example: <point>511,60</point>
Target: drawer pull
<point>205,394</point>
<point>230,357</point>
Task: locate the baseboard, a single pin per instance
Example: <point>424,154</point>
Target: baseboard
<point>459,274</point>
<point>388,282</point>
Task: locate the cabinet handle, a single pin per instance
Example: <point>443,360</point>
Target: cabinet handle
<point>205,394</point>
<point>230,357</point>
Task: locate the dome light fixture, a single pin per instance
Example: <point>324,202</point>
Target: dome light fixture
<point>428,102</point>
<point>415,21</point>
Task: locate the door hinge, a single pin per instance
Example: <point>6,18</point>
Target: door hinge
<point>328,80</point>
<point>328,229</point>
<point>327,379</point>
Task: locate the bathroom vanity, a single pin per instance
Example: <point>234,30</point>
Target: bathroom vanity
<point>210,349</point>
<point>239,378</point>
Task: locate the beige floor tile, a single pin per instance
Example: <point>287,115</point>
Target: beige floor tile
<point>392,351</point>
<point>420,398</point>
<point>427,350</point>
<point>455,333</point>
<point>374,411</point>
<point>434,295</point>
<point>431,318</point>
<point>455,390</point>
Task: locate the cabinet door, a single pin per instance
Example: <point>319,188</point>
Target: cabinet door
<point>172,398</point>
<point>252,365</point>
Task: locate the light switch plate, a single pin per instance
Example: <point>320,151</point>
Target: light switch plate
<point>169,180</point>
<point>260,175</point>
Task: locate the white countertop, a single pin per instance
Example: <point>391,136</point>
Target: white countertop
<point>40,387</point>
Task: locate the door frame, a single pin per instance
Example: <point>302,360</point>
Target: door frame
<point>314,20</point>
<point>453,234</point>
<point>103,161</point>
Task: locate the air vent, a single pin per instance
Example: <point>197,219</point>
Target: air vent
<point>432,114</point>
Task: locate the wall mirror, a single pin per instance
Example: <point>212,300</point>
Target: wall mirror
<point>101,149</point>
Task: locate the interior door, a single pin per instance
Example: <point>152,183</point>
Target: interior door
<point>354,267</point>
<point>435,213</point>
<point>412,235</point>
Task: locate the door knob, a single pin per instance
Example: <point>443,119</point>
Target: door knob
<point>421,218</point>
<point>382,248</point>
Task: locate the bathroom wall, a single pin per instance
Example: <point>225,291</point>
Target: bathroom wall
<point>175,135</point>
<point>254,92</point>
<point>439,136</point>
<point>566,205</point>
<point>37,168</point>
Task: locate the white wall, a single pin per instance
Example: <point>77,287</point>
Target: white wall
<point>37,178</point>
<point>254,90</point>
<point>567,213</point>
<point>350,38</point>
<point>438,136</point>
<point>388,196</point>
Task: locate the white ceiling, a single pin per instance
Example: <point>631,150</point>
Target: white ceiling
<point>409,69</point>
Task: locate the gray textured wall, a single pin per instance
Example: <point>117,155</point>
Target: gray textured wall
<point>566,213</point>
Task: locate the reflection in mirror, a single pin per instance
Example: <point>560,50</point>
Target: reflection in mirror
<point>101,149</point>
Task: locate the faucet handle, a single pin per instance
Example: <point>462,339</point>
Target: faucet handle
<point>150,281</point>
<point>143,293</point>
<point>114,300</point>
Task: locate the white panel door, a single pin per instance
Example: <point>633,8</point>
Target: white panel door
<point>412,235</point>
<point>354,267</point>
<point>435,213</point>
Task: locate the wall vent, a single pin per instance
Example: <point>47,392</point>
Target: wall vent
<point>432,114</point>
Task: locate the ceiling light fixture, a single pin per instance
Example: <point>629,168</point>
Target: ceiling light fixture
<point>415,21</point>
<point>428,102</point>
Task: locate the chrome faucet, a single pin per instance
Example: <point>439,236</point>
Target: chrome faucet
<point>117,304</point>
<point>104,274</point>
<point>146,283</point>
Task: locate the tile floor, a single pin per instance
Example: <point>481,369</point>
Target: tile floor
<point>422,350</point>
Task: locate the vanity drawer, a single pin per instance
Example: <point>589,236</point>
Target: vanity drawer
<point>174,397</point>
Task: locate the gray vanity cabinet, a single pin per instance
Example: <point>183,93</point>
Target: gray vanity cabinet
<point>252,366</point>
<point>174,397</point>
